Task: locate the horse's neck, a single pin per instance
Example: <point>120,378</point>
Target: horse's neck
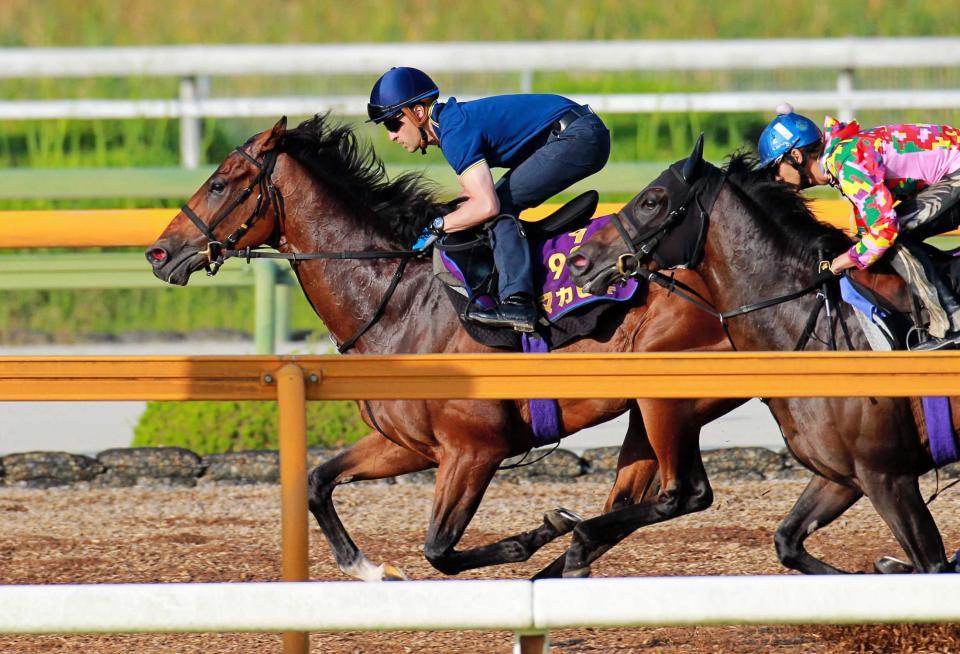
<point>346,293</point>
<point>742,265</point>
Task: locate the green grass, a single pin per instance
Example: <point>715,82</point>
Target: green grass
<point>70,158</point>
<point>137,22</point>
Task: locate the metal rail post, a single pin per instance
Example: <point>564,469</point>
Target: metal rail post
<point>291,398</point>
<point>845,91</point>
<point>264,274</point>
<point>282,290</point>
<point>189,123</point>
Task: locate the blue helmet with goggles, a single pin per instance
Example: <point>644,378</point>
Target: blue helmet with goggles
<point>784,133</point>
<point>399,88</point>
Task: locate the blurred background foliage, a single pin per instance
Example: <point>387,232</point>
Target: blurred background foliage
<point>212,427</point>
<point>56,144</point>
<point>142,22</point>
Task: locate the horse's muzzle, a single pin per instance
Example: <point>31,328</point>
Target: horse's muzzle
<point>174,265</point>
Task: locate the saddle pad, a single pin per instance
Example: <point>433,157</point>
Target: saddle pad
<point>936,416</point>
<point>559,296</point>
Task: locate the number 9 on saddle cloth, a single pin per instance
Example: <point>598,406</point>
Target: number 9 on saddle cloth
<point>463,261</point>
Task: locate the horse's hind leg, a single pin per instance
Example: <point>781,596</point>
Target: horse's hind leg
<point>897,499</point>
<point>372,457</point>
<point>821,502</point>
<point>462,479</point>
<point>636,479</point>
<point>636,466</point>
<point>674,435</point>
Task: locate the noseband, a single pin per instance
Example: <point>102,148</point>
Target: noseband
<point>214,251</point>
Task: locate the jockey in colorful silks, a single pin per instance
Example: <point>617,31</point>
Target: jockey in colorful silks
<point>915,164</point>
<point>547,143</point>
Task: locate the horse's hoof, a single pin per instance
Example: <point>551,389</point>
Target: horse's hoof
<point>393,573</point>
<point>887,565</point>
<point>562,520</point>
<point>577,574</point>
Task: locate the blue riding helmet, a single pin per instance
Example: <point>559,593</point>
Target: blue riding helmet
<point>784,133</point>
<point>398,88</point>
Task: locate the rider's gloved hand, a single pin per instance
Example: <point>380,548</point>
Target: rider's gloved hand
<point>425,239</point>
<point>429,234</point>
<point>824,276</point>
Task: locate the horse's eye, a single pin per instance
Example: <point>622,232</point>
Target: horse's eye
<point>649,203</point>
<point>217,186</point>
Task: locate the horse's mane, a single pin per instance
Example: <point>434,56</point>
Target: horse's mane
<point>783,213</point>
<point>399,208</point>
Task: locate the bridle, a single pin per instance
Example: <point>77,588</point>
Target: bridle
<point>648,240</point>
<point>216,250</point>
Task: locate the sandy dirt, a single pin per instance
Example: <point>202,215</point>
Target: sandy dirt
<point>211,533</point>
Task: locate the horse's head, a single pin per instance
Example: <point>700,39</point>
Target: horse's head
<point>237,207</point>
<point>661,227</point>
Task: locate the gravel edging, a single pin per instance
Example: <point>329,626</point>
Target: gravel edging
<point>176,466</point>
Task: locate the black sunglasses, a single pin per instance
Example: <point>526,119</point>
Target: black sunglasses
<point>394,122</point>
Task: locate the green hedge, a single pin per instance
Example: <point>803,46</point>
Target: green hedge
<point>214,427</point>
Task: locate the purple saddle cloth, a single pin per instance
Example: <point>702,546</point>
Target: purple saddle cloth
<point>559,296</point>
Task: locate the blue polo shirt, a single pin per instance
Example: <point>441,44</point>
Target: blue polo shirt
<point>494,129</point>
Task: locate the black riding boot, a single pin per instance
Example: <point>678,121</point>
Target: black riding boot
<point>517,312</point>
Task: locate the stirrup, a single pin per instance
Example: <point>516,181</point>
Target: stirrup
<point>950,339</point>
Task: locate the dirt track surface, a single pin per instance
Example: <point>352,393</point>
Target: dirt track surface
<point>213,534</point>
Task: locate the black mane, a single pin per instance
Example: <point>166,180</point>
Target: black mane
<point>398,208</point>
<point>783,213</point>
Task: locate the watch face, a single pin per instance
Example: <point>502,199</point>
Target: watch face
<point>438,223</point>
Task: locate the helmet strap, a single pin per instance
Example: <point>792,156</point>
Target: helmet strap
<point>800,167</point>
<point>420,123</point>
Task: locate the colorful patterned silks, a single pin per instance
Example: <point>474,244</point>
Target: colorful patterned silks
<point>873,168</point>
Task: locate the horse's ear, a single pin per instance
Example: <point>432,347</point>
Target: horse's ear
<point>269,140</point>
<point>692,164</point>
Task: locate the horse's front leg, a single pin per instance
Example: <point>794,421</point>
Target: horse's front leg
<point>462,478</point>
<point>821,502</point>
<point>372,457</point>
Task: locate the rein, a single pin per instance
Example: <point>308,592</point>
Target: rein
<point>217,252</point>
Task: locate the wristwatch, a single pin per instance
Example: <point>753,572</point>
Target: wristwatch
<point>437,224</point>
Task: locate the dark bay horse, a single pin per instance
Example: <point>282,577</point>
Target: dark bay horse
<point>761,241</point>
<point>319,190</point>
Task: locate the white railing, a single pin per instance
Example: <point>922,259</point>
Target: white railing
<point>195,64</point>
<point>520,606</point>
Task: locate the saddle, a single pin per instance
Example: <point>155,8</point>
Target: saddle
<point>464,262</point>
<point>888,302</point>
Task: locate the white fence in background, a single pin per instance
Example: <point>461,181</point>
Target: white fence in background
<point>195,64</point>
<point>519,606</point>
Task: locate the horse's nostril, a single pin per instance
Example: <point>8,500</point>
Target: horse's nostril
<point>157,256</point>
<point>579,261</point>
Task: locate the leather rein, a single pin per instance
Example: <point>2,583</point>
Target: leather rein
<point>217,251</point>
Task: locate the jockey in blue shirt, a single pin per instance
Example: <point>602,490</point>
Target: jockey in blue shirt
<point>546,143</point>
